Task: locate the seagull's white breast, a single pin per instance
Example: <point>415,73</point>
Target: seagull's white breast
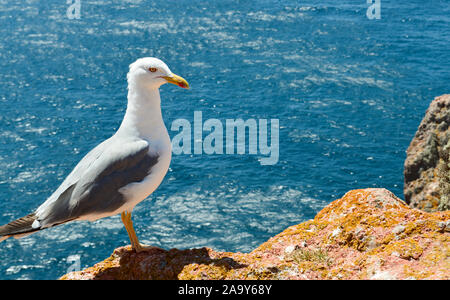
<point>137,191</point>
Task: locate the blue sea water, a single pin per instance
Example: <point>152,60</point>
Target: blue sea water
<point>349,93</point>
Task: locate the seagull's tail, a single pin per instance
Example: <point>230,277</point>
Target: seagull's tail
<point>18,228</point>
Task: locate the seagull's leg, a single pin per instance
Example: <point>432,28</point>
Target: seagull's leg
<point>135,245</point>
<point>126,218</point>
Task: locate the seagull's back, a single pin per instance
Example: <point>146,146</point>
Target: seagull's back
<point>95,188</point>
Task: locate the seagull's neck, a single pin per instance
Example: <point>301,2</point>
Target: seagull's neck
<point>143,116</point>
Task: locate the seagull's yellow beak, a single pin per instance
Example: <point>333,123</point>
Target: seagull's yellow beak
<point>177,80</point>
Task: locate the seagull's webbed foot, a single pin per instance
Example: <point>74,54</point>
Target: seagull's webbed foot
<point>143,248</point>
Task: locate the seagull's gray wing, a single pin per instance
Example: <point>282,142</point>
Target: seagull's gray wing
<point>93,186</point>
<point>26,225</point>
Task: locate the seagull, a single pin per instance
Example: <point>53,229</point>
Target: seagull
<point>121,171</point>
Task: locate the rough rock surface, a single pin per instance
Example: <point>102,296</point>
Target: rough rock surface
<point>427,151</point>
<point>367,234</point>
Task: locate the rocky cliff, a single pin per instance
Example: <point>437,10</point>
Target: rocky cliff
<point>427,166</point>
<point>367,234</point>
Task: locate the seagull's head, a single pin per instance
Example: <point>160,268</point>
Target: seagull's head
<point>151,72</point>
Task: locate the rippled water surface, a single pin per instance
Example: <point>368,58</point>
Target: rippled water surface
<point>349,93</point>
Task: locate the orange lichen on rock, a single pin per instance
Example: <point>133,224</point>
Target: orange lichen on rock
<point>367,234</point>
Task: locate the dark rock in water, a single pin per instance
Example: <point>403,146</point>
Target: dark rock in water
<point>427,183</point>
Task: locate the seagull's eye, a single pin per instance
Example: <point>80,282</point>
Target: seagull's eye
<point>153,70</point>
